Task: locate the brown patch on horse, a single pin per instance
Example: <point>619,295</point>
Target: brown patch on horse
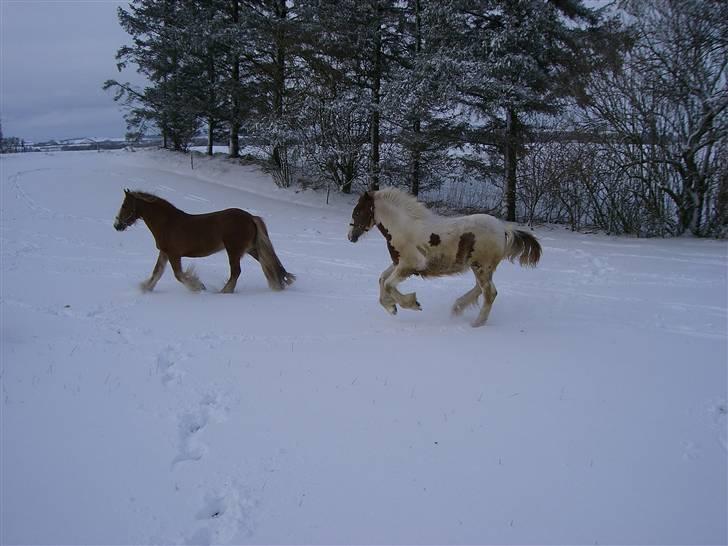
<point>466,245</point>
<point>363,213</point>
<point>392,251</point>
<point>434,239</point>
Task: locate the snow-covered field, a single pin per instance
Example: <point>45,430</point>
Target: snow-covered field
<point>590,409</point>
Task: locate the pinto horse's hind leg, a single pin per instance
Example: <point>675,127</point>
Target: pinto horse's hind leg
<point>188,278</point>
<point>234,258</point>
<point>407,301</point>
<point>484,275</point>
<point>151,282</point>
<point>466,300</point>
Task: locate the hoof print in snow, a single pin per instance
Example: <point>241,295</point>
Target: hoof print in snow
<point>190,446</point>
<point>227,516</point>
<point>167,366</point>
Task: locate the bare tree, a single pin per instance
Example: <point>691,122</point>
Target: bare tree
<point>665,113</point>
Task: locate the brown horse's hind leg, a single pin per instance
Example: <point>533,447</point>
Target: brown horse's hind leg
<point>484,276</point>
<point>234,259</point>
<point>188,278</point>
<point>151,282</point>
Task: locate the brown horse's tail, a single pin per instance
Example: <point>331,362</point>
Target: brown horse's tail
<point>277,276</point>
<point>522,245</point>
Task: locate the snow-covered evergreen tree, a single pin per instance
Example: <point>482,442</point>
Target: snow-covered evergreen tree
<point>508,59</point>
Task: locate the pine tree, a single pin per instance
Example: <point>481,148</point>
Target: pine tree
<point>267,63</point>
<point>158,32</point>
<point>508,60</point>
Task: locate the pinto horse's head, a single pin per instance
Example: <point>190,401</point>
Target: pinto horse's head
<point>128,213</point>
<point>362,217</point>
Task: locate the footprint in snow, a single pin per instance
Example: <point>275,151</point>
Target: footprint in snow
<point>192,425</point>
<point>167,368</point>
<point>191,447</point>
<point>718,414</point>
<point>225,515</point>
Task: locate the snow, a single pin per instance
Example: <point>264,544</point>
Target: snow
<point>590,409</point>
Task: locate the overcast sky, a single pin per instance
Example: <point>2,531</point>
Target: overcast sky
<point>54,57</point>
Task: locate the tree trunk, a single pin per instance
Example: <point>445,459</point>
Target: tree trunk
<point>279,83</point>
<point>211,122</point>
<point>376,100</point>
<point>234,145</point>
<point>210,133</point>
<point>511,161</point>
<point>416,125</point>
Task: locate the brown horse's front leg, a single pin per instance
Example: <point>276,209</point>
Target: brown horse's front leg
<point>188,278</point>
<point>151,282</point>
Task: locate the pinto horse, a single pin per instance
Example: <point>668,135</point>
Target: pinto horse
<point>421,242</point>
<point>178,234</point>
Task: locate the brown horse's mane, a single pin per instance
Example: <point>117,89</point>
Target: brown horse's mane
<point>151,198</point>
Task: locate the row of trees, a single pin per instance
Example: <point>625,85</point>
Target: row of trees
<point>613,118</point>
<point>10,145</point>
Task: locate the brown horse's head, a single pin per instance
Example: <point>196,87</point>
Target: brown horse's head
<point>128,213</point>
<point>362,217</point>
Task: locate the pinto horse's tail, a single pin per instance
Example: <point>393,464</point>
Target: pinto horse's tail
<point>522,245</point>
<point>277,276</point>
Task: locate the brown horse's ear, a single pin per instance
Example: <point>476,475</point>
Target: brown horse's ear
<point>126,191</point>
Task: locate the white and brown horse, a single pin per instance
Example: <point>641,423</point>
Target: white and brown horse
<point>421,242</point>
<point>178,234</point>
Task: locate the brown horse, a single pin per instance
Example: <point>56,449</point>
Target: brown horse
<point>179,234</point>
<point>423,243</point>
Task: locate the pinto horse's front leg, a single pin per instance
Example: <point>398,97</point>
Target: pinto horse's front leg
<point>151,282</point>
<point>385,299</point>
<point>407,301</point>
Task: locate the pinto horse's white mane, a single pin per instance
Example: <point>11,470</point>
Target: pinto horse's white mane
<point>404,202</point>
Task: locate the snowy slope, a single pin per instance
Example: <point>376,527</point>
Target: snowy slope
<point>590,409</point>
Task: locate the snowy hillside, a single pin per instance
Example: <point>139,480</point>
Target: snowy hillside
<point>590,409</point>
